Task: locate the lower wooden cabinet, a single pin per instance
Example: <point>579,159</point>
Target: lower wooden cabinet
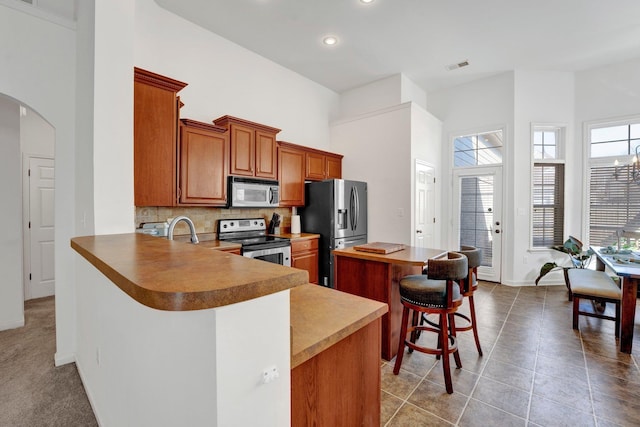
<point>305,256</point>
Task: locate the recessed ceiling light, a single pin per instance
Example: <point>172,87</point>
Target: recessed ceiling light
<point>366,1</point>
<point>330,40</point>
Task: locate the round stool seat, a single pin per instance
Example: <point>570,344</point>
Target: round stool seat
<point>419,290</point>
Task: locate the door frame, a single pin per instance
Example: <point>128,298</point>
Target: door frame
<point>484,273</point>
<point>436,237</point>
<point>26,232</point>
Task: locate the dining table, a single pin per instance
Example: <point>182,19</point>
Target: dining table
<point>626,265</point>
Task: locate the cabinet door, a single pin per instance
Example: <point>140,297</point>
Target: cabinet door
<point>155,118</point>
<point>315,166</point>
<point>304,255</point>
<point>291,176</point>
<point>204,157</point>
<point>266,159</point>
<point>334,167</point>
<point>242,150</point>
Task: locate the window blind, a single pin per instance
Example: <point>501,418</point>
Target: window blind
<point>614,204</point>
<point>548,204</point>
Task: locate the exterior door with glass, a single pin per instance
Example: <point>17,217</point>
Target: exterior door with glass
<point>478,215</point>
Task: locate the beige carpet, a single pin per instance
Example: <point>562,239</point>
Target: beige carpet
<point>33,392</point>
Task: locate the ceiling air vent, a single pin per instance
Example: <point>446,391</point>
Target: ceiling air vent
<point>27,1</point>
<point>457,65</point>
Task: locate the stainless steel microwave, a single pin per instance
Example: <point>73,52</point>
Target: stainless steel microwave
<point>253,193</point>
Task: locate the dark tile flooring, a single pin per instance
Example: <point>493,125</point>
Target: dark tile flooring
<point>536,370</point>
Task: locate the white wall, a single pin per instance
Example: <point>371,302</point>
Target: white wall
<point>483,105</point>
<point>610,92</point>
<point>426,145</point>
<point>11,291</point>
<point>540,97</point>
<point>377,150</point>
<point>225,78</point>
<point>40,73</point>
<point>37,137</point>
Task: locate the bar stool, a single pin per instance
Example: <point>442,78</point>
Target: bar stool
<point>438,293</point>
<point>468,286</point>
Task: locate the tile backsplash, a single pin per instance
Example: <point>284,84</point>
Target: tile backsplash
<point>206,219</point>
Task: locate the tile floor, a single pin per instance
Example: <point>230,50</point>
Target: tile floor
<point>536,370</point>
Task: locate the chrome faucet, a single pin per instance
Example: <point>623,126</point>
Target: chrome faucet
<point>194,237</point>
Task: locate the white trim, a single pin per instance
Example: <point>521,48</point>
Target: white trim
<point>561,144</point>
<point>369,114</point>
<point>64,359</point>
<point>588,162</point>
<point>88,392</point>
<point>13,324</point>
<point>38,13</point>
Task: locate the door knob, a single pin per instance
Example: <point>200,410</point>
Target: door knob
<point>418,231</point>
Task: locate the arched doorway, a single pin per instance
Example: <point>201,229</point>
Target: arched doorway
<point>27,254</point>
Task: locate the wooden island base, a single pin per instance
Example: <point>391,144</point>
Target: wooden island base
<point>377,276</point>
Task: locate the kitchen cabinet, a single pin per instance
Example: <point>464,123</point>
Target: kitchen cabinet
<point>253,147</point>
<point>321,165</point>
<point>304,255</point>
<point>291,171</point>
<point>204,163</point>
<point>155,133</point>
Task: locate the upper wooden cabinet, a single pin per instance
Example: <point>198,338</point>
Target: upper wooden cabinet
<point>253,147</point>
<point>322,165</point>
<point>291,161</point>
<point>155,132</point>
<point>204,163</point>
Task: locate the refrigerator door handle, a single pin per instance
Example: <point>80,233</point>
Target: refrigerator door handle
<point>356,212</point>
<point>352,207</point>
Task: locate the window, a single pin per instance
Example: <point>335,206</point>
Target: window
<point>614,181</point>
<point>547,219</point>
<point>478,149</point>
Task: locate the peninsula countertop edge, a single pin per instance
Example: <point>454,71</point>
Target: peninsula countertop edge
<point>176,276</point>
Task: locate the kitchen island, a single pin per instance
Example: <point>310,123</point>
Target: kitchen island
<point>170,333</point>
<point>377,276</point>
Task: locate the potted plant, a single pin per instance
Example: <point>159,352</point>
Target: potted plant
<point>579,259</point>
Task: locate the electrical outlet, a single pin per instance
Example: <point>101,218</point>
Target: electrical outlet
<point>270,374</point>
<point>98,356</point>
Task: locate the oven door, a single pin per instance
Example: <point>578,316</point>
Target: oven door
<point>281,255</point>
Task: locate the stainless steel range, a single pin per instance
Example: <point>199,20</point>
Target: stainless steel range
<point>251,233</point>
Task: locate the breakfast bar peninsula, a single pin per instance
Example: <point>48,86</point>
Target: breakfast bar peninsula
<point>375,272</point>
<point>170,333</point>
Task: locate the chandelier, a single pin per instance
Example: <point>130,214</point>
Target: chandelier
<point>628,173</point>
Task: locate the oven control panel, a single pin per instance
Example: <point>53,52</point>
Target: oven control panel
<point>236,225</point>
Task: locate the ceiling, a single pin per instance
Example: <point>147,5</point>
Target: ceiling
<point>419,38</point>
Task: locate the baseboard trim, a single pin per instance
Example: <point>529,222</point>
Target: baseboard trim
<point>89,395</point>
<point>14,324</point>
<point>63,359</point>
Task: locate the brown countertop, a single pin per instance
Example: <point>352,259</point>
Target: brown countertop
<point>410,255</point>
<point>177,276</point>
<point>320,317</point>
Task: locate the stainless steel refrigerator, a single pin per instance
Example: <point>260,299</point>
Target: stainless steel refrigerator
<point>337,210</point>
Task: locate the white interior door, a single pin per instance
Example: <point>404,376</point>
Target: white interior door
<point>424,206</point>
<point>40,278</point>
<point>478,216</point>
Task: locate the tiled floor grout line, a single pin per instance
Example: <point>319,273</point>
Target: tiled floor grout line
<point>586,367</point>
<point>535,363</point>
<point>406,400</point>
<point>504,322</point>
